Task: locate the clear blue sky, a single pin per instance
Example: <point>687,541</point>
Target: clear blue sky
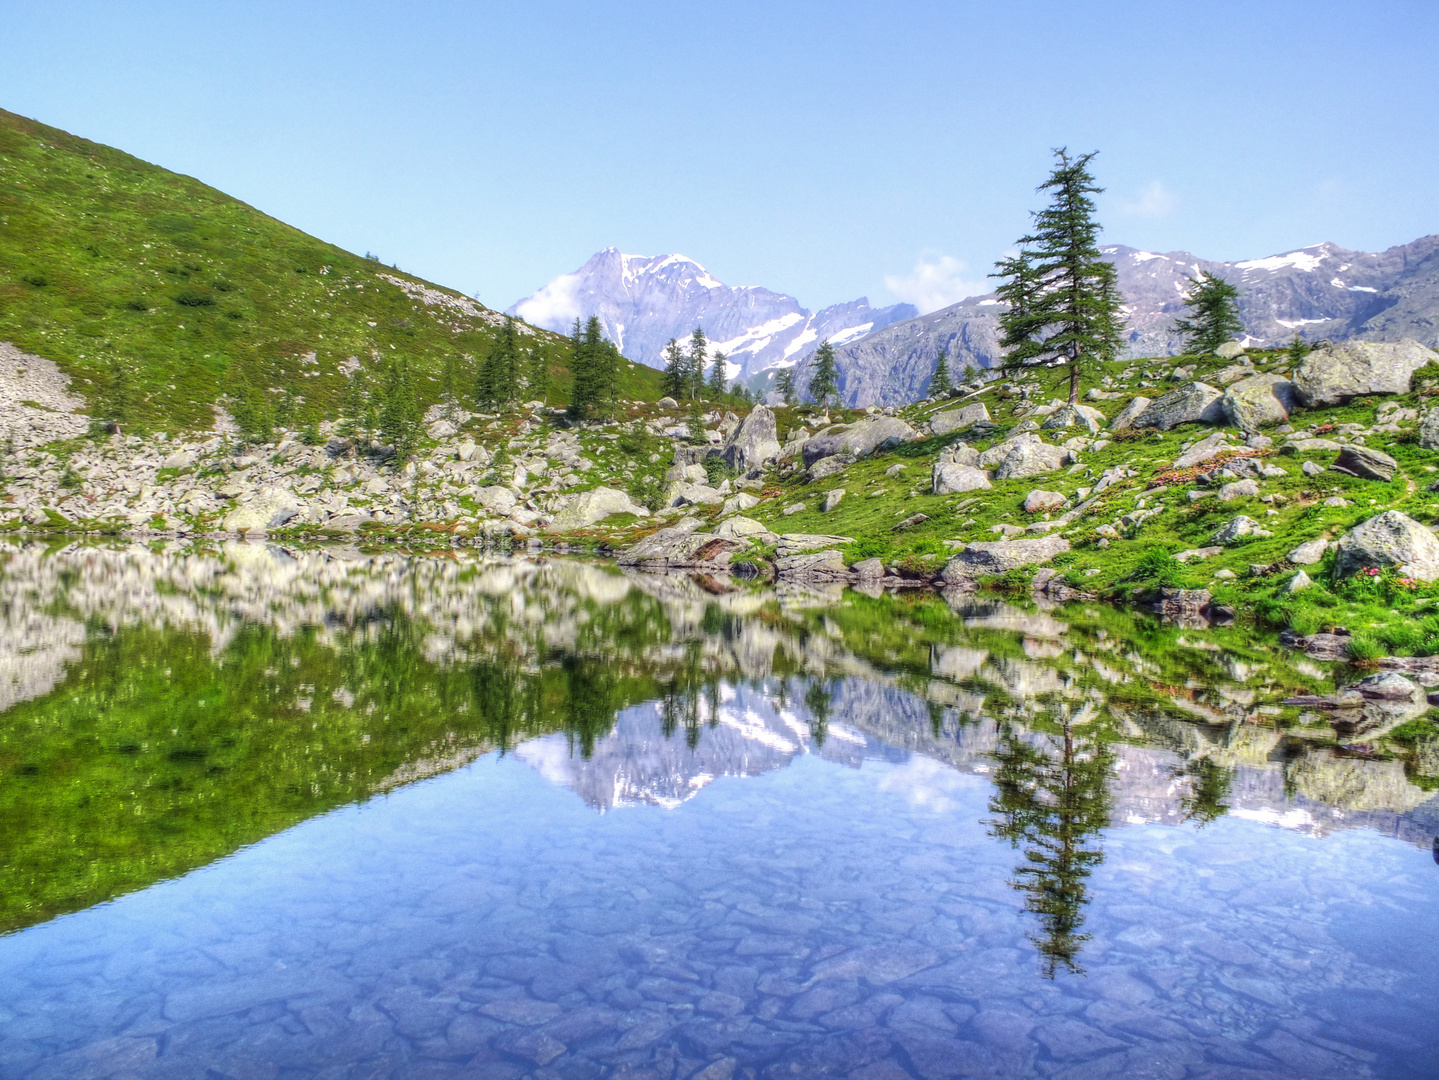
<point>826,150</point>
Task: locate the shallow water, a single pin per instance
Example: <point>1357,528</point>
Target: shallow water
<point>306,814</point>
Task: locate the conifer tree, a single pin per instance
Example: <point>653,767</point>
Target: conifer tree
<point>539,374</point>
<point>449,387</point>
<point>500,374</point>
<point>399,411</point>
<point>939,384</point>
<point>784,383</point>
<point>1063,296</point>
<point>672,381</point>
<point>595,373</point>
<point>699,346</point>
<point>824,380</point>
<point>1213,315</point>
<point>717,377</point>
<point>1298,349</point>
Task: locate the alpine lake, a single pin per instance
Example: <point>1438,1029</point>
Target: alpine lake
<point>274,813</point>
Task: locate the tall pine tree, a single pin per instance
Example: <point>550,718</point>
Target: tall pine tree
<point>676,372</point>
<point>498,381</point>
<point>784,383</point>
<point>939,382</point>
<point>1213,315</point>
<point>717,377</point>
<point>699,347</point>
<point>1063,296</point>
<point>596,373</point>
<point>824,380</point>
<point>400,411</point>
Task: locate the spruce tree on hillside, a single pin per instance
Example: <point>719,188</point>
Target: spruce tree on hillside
<point>596,372</point>
<point>717,377</point>
<point>676,372</point>
<point>1213,315</point>
<point>699,346</point>
<point>784,383</point>
<point>400,412</point>
<point>939,383</point>
<point>824,380</point>
<point>450,387</point>
<point>499,378</point>
<point>1063,296</point>
<point>539,374</point>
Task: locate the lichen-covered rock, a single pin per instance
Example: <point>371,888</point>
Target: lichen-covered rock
<point>813,566</point>
<point>496,499</point>
<point>1192,403</point>
<point>588,507</point>
<point>1309,553</point>
<point>858,439</point>
<point>1240,489</point>
<point>1260,401</point>
<point>794,543</point>
<point>950,478</point>
<point>1366,463</point>
<point>1229,350</point>
<point>1022,455</point>
<point>1038,501</point>
<point>1127,415</point>
<point>1081,416</point>
<point>1000,556</point>
<point>830,466</point>
<point>958,419</point>
<point>1335,373</point>
<point>1390,539</point>
<point>754,443</point>
<point>1237,528</point>
<point>1202,451</point>
<point>680,547</point>
<point>1429,430</point>
<point>268,508</point>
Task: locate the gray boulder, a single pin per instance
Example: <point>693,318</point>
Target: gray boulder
<point>950,478</point>
<point>1240,527</point>
<point>1037,501</point>
<point>812,566</point>
<point>1192,403</point>
<point>830,466</point>
<point>999,556</point>
<point>1393,540</point>
<point>958,419</point>
<point>496,499</point>
<point>743,528</point>
<point>866,436</point>
<point>680,547</point>
<point>1309,553</point>
<point>1127,415</point>
<point>1366,463</point>
<point>269,508</point>
<point>1336,373</point>
<point>589,507</point>
<point>1229,350</point>
<point>1429,430</point>
<point>1022,455</point>
<point>754,443</point>
<point>684,493</point>
<point>1202,451</point>
<point>1260,401</point>
<point>1240,489</point>
<point>1081,416</point>
<point>795,543</point>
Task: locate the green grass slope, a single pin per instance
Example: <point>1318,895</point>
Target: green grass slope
<point>104,255</point>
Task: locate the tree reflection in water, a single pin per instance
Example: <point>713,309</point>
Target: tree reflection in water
<point>1052,799</point>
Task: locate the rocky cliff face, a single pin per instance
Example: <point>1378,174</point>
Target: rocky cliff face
<point>643,301</point>
<point>1323,291</point>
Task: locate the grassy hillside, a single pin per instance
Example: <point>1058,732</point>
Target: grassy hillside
<point>103,255</point>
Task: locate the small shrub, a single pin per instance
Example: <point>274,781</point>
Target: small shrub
<point>1364,647</point>
<point>191,298</point>
<point>310,434</point>
<point>871,547</point>
<point>1161,568</point>
<point>717,470</point>
<point>1305,621</point>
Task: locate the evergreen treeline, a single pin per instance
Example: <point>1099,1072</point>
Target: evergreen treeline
<point>692,374</point>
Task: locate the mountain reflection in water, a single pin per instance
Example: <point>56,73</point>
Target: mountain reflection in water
<point>160,711</point>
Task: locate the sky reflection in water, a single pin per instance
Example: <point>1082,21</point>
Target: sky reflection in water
<point>976,871</point>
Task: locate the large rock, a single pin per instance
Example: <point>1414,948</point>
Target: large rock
<point>1192,403</point>
<point>743,528</point>
<point>999,556</point>
<point>863,437</point>
<point>1082,416</point>
<point>958,419</point>
<point>1336,373</point>
<point>1202,451</point>
<point>950,478</point>
<point>1039,500</point>
<point>680,547</point>
<point>1238,528</point>
<point>684,493</point>
<point>1260,401</point>
<point>754,443</point>
<point>1429,430</point>
<point>589,507</point>
<point>269,508</point>
<point>812,566</point>
<point>794,543</point>
<point>1131,412</point>
<point>1393,540</point>
<point>1023,455</point>
<point>1309,552</point>
<point>496,499</point>
<point>1366,463</point>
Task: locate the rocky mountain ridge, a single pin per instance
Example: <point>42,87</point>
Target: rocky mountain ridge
<point>643,301</point>
<point>1318,292</point>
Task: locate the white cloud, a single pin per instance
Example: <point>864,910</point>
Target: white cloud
<point>934,283</point>
<point>927,784</point>
<point>1154,201</point>
<point>555,307</point>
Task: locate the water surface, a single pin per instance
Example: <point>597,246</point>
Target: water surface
<point>311,814</point>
